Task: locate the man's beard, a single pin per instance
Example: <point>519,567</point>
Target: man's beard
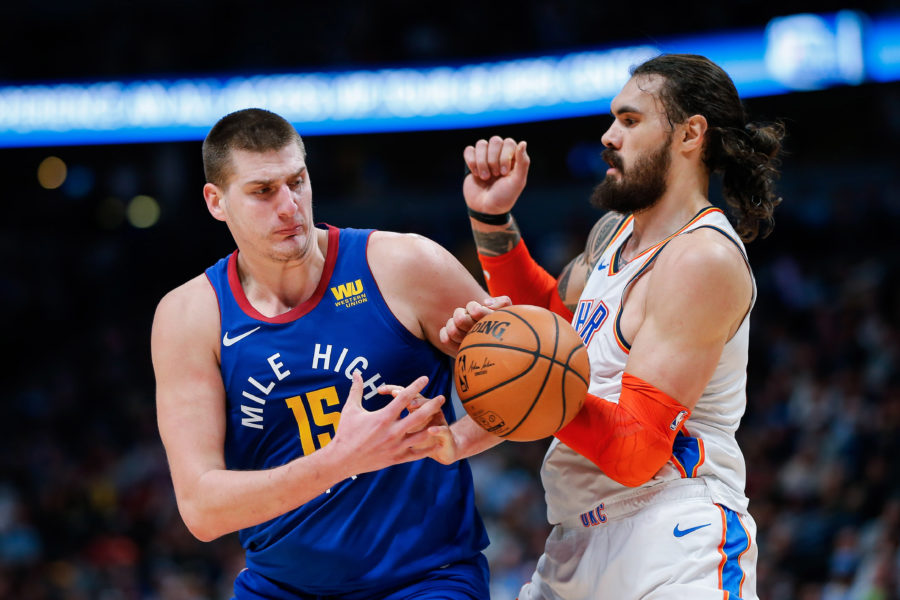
<point>637,189</point>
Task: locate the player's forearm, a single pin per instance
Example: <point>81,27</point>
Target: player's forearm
<point>494,240</point>
<point>222,501</point>
<point>472,439</point>
<point>517,275</point>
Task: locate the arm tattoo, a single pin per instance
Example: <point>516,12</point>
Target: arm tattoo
<point>562,284</point>
<point>600,237</point>
<point>495,243</point>
<point>574,275</point>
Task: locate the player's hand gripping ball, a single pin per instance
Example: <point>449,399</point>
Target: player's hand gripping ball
<point>522,373</point>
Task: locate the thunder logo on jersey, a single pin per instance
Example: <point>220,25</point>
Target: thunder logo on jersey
<point>588,318</point>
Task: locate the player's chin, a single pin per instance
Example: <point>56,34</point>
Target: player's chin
<point>289,250</point>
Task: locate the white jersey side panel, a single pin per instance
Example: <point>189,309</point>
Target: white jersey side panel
<point>706,448</point>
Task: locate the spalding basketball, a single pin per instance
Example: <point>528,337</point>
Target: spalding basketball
<point>522,373</point>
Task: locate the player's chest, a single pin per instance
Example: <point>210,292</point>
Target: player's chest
<point>285,393</point>
<point>613,305</point>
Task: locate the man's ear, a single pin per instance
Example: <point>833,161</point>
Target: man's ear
<point>694,133</point>
<point>214,198</point>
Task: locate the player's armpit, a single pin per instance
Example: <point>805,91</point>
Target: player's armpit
<point>517,275</point>
<point>629,441</point>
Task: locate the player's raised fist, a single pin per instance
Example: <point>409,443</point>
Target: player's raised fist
<point>498,172</point>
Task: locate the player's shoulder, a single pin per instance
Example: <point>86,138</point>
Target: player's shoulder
<point>185,330</point>
<point>406,250</point>
<point>406,264</point>
<point>702,255</point>
<point>192,301</point>
<point>193,290</point>
<point>705,247</point>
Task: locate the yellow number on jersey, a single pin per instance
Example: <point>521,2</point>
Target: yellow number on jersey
<point>317,400</point>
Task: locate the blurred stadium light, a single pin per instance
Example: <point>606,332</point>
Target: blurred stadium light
<point>792,53</point>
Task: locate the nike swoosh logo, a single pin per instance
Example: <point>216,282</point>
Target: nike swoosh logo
<point>227,341</point>
<point>601,266</point>
<point>683,532</point>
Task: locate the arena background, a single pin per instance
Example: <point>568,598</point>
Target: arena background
<point>86,504</point>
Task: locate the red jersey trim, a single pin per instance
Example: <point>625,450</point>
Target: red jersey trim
<point>234,282</point>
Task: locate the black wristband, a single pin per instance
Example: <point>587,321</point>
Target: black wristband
<point>501,219</point>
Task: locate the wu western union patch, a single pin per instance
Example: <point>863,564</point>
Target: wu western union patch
<point>349,294</point>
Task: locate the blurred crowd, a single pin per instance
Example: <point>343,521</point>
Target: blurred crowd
<point>822,429</point>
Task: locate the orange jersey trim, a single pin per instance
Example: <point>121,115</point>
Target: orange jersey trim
<point>655,250</point>
<point>722,551</point>
<point>741,555</point>
<point>681,441</point>
<point>614,260</point>
<point>737,559</point>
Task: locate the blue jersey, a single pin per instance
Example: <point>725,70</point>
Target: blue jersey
<point>286,380</point>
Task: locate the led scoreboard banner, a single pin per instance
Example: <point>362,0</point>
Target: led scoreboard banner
<point>792,53</point>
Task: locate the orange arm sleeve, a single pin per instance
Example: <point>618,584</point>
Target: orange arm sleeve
<point>517,275</point>
<point>629,441</point>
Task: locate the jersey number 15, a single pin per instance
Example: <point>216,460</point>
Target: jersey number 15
<point>316,402</point>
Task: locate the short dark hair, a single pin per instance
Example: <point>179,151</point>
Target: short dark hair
<point>745,153</point>
<point>251,129</point>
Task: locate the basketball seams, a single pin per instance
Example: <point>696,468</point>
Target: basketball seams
<point>534,332</point>
<point>568,363</point>
<point>531,411</point>
<point>534,357</point>
<point>540,391</point>
<point>555,362</point>
<point>534,400</point>
<point>562,396</point>
<point>537,354</point>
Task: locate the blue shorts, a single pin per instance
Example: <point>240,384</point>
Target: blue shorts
<point>463,580</point>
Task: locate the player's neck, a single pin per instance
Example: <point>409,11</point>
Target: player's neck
<point>274,287</point>
<point>678,205</point>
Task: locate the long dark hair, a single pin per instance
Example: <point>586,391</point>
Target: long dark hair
<point>745,153</point>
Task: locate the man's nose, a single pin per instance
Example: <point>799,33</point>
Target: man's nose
<point>612,137</point>
<point>288,204</point>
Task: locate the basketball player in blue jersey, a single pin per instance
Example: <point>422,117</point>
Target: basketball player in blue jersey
<point>645,487</point>
<point>284,378</point>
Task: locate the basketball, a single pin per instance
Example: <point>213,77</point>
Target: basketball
<point>522,373</point>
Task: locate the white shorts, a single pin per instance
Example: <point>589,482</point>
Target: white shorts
<point>670,542</point>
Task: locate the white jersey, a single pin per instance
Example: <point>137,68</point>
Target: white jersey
<point>706,447</point>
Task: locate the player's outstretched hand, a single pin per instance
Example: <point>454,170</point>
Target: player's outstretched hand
<point>434,436</point>
<point>414,404</point>
<point>464,319</point>
<point>372,440</point>
<point>446,449</point>
<point>498,172</point>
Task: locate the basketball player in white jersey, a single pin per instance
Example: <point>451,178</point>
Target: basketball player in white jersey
<point>645,488</point>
